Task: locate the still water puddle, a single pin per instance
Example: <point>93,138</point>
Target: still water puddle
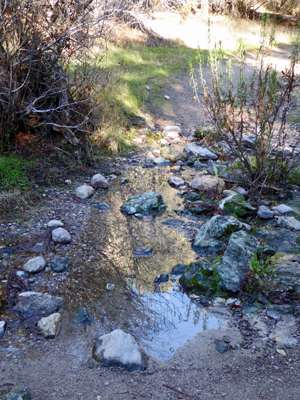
<point>160,321</point>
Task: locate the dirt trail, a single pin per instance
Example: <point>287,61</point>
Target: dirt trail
<point>197,371</point>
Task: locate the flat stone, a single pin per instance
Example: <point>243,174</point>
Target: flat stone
<point>61,235</point>
<point>99,181</point>
<point>55,223</point>
<point>174,181</point>
<point>3,325</point>
<point>273,314</point>
<point>82,316</point>
<point>289,222</point>
<point>172,128</point>
<point>35,265</point>
<point>250,308</point>
<point>100,205</point>
<point>144,204</point>
<point>84,192</point>
<point>50,325</point>
<point>60,264</point>
<point>241,191</point>
<point>120,349</point>
<point>265,213</point>
<point>201,152</point>
<point>207,183</point>
<point>282,209</point>
<point>33,305</point>
<point>20,394</point>
<point>142,251</point>
<point>161,162</point>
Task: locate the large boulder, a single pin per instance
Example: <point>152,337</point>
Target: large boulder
<point>99,181</point>
<point>235,262</point>
<point>120,349</point>
<point>207,183</point>
<point>34,265</point>
<point>200,152</point>
<point>34,305</point>
<point>145,204</point>
<point>282,240</point>
<point>236,204</point>
<point>199,276</point>
<point>217,227</point>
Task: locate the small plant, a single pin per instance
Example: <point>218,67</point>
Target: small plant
<point>259,267</point>
<point>256,105</point>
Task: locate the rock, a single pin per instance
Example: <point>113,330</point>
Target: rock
<point>265,213</point>
<point>191,160</point>
<point>175,168</point>
<point>281,352</point>
<point>236,204</point>
<point>142,251</point>
<point>20,394</point>
<point>241,191</point>
<point>39,248</point>
<point>100,205</point>
<point>221,347</point>
<point>163,142</point>
<point>286,271</point>
<point>145,204</point>
<point>150,157</point>
<point>217,227</point>
<point>289,222</point>
<point>282,240</point>
<point>248,140</point>
<point>201,152</point>
<point>33,305</point>
<point>34,265</point>
<point>199,166</point>
<point>161,278</point>
<point>61,235</point>
<point>174,181</point>
<point>250,308</point>
<point>123,181</point>
<point>84,192</point>
<point>147,166</point>
<point>169,130</point>
<point>199,276</point>
<point>167,97</point>
<point>99,181</point>
<point>54,223</point>
<point>3,325</point>
<point>160,162</point>
<point>235,262</point>
<point>50,325</point>
<point>110,286</point>
<point>227,193</point>
<point>166,152</point>
<point>209,246</point>
<point>179,269</point>
<point>207,183</point>
<point>60,264</point>
<point>119,349</point>
<point>82,316</point>
<point>282,209</point>
<point>273,314</point>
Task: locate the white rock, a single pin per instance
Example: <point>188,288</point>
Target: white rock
<point>163,141</point>
<point>68,181</point>
<point>289,222</point>
<point>282,209</point>
<point>201,152</point>
<point>99,181</point>
<point>3,325</point>
<point>119,349</point>
<point>207,183</point>
<point>150,156</point>
<point>174,181</point>
<point>84,192</point>
<point>54,223</point>
<point>110,286</point>
<point>50,325</point>
<point>241,191</point>
<point>227,193</point>
<point>35,264</point>
<point>171,128</point>
<point>61,235</point>
<point>265,213</point>
<point>167,97</point>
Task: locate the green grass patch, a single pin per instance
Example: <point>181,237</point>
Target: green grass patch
<point>14,172</point>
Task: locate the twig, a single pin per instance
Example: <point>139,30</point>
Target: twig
<point>178,391</point>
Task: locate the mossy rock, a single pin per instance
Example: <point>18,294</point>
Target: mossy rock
<point>236,204</point>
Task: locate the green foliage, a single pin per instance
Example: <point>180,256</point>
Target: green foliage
<point>13,172</point>
<point>256,104</point>
<point>260,267</point>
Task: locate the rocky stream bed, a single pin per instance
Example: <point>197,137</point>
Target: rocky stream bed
<point>158,250</point>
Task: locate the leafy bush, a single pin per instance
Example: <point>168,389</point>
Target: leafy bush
<point>258,105</point>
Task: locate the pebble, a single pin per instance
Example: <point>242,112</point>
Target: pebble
<point>54,223</point>
<point>61,235</point>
